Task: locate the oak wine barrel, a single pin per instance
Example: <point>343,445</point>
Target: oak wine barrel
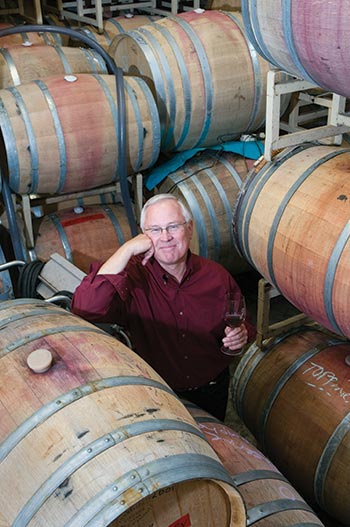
<point>291,223</point>
<point>76,120</point>
<point>27,39</point>
<point>83,234</point>
<point>209,184</point>
<point>121,24</point>
<point>23,64</point>
<point>268,496</point>
<point>310,40</point>
<point>207,79</point>
<point>294,397</point>
<point>103,39</point>
<point>99,438</point>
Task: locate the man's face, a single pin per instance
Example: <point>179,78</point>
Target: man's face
<point>169,247</point>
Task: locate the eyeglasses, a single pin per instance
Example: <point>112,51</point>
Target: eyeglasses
<point>173,228</point>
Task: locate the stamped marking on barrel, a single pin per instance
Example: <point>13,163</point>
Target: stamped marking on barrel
<point>184,521</point>
<point>326,381</point>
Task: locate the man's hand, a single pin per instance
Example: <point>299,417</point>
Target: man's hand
<point>140,244</point>
<point>235,338</point>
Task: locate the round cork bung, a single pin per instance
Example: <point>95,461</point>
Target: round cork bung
<point>39,360</point>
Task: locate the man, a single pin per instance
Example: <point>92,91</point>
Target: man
<point>172,303</point>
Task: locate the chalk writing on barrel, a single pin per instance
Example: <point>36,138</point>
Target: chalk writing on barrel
<point>324,378</point>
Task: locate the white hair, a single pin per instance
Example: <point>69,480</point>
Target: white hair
<point>161,197</point>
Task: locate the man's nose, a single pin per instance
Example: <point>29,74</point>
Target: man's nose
<point>165,235</point>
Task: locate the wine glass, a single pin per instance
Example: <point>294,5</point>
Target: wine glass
<point>234,314</point>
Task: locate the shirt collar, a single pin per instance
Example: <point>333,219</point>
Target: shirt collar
<point>161,274</point>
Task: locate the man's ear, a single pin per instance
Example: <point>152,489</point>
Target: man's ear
<point>190,229</point>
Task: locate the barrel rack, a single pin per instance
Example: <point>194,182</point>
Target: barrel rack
<point>265,330</point>
<point>84,12</point>
<point>328,104</point>
<point>30,10</point>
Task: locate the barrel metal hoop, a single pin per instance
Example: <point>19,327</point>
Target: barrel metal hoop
<point>252,27</point>
<point>24,301</point>
<point>257,77</point>
<point>250,193</point>
<point>264,510</point>
<point>338,250</point>
<point>33,313</point>
<point>59,134</point>
<point>282,381</point>
<point>326,459</point>
<point>25,37</point>
<point>140,139</point>
<point>155,72</point>
<point>115,223</point>
<point>67,398</point>
<point>157,49</point>
<point>254,475</point>
<point>91,451</point>
<point>206,72</point>
<point>196,212</point>
<point>289,40</point>
<point>222,193</point>
<point>11,148</point>
<point>49,331</point>
<point>95,60</point>
<point>281,209</point>
<point>63,59</point>
<point>115,116</point>
<point>32,147</point>
<point>152,107</point>
<point>6,292</point>
<point>230,168</point>
<point>212,217</point>
<point>11,66</point>
<point>116,24</point>
<point>186,86</point>
<point>223,197</point>
<point>103,508</point>
<point>63,236</point>
<point>240,382</point>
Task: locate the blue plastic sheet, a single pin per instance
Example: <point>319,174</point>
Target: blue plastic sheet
<point>249,149</point>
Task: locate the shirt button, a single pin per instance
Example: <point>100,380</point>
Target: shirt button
<point>181,313</point>
<point>183,335</point>
<point>185,357</point>
<point>187,376</point>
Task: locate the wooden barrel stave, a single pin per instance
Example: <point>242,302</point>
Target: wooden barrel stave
<point>270,499</point>
<point>200,102</point>
<point>25,38</point>
<point>307,39</point>
<point>82,237</point>
<point>57,116</point>
<point>121,24</point>
<point>70,442</point>
<point>293,228</point>
<point>23,64</point>
<point>294,398</point>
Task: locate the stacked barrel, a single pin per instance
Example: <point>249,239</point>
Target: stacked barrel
<point>179,70</point>
<point>93,436</point>
<point>61,101</point>
<point>191,82</point>
<point>291,223</point>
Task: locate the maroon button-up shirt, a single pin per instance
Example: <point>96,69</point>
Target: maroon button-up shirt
<point>177,328</point>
